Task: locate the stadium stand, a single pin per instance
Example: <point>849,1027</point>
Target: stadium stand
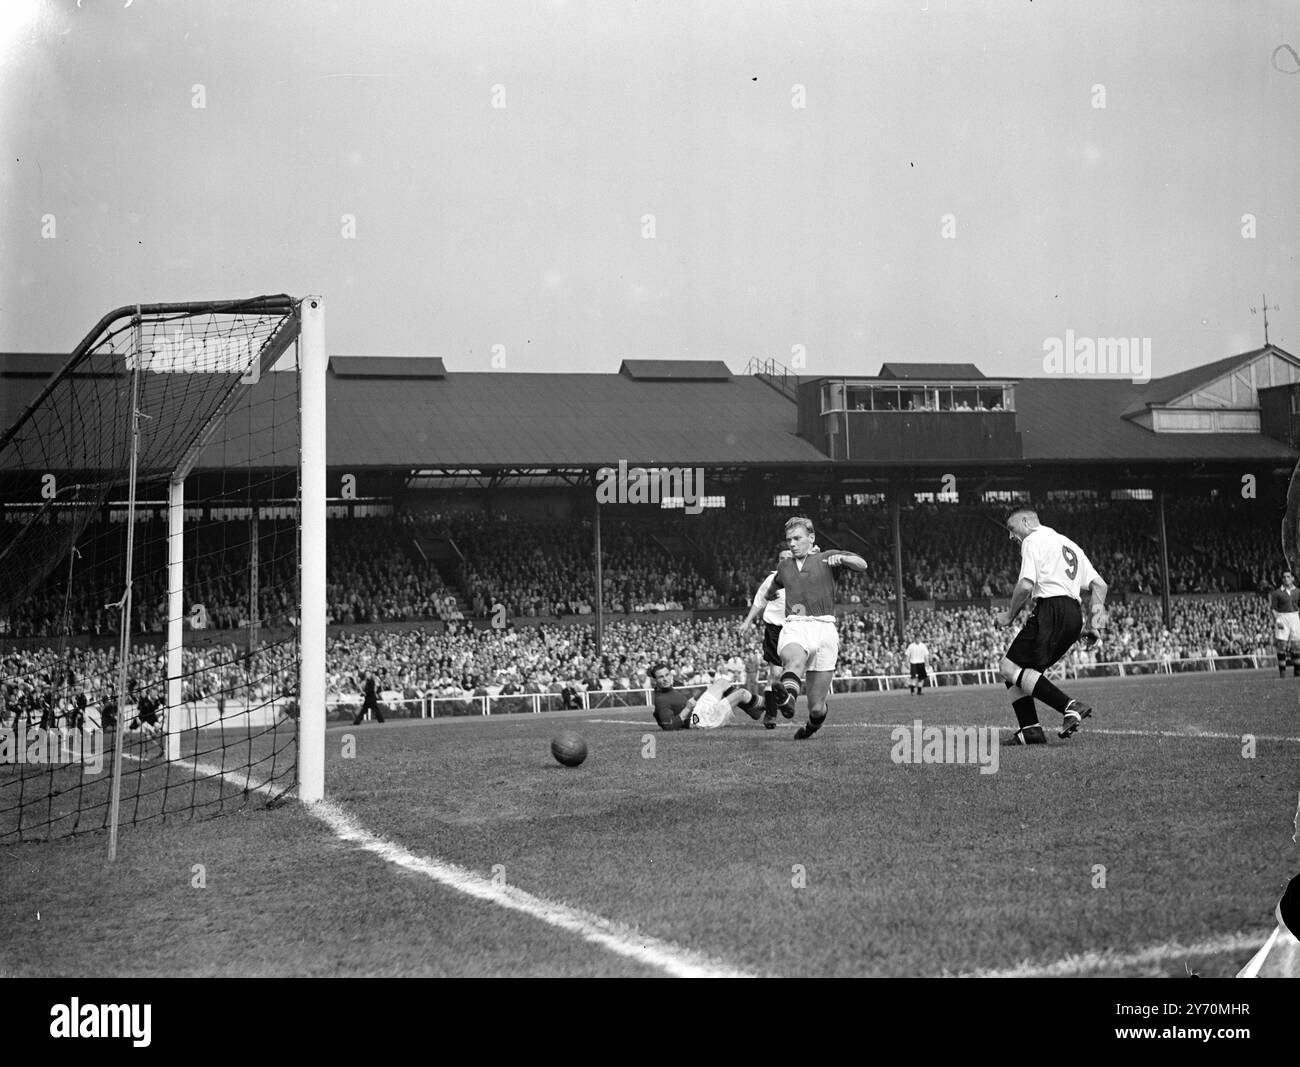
<point>447,560</point>
<point>463,661</point>
<point>953,553</point>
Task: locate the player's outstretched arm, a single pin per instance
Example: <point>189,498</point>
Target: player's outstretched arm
<point>1099,590</point>
<point>846,559</point>
<point>1097,611</point>
<point>1019,598</point>
<point>761,597</point>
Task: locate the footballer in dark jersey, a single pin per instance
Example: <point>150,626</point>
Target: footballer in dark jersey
<point>1285,602</point>
<point>810,640</point>
<point>675,709</point>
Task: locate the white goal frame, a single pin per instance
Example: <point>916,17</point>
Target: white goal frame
<point>313,360</point>
<point>299,326</point>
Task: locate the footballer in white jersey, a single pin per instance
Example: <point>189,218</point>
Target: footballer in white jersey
<point>1054,573</point>
<point>773,614</point>
<point>1054,564</point>
<point>917,654</point>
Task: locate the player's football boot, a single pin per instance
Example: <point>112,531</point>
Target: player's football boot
<point>1030,735</point>
<point>787,697</point>
<point>1075,712</point>
<point>808,729</point>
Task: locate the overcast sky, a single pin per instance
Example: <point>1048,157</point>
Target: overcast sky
<point>777,228</point>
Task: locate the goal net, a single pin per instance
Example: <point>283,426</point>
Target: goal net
<point>153,637</point>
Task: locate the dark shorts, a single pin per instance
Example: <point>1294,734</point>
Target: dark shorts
<point>771,635</point>
<point>918,671</point>
<point>1047,634</point>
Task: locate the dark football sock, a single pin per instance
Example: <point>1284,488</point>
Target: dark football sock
<point>770,700</point>
<point>791,684</point>
<point>752,707</point>
<point>814,723</point>
<point>1026,713</point>
<point>1047,692</point>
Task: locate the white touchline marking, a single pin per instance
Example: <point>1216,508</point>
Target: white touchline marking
<point>1092,961</point>
<point>683,963</point>
<point>617,938</point>
<point>1188,735</point>
<point>1184,735</point>
<point>674,960</point>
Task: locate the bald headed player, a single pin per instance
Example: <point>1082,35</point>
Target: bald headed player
<point>810,640</point>
<point>1053,573</point>
<point>1285,602</point>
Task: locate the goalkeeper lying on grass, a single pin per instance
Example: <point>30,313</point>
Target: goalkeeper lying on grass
<point>675,710</point>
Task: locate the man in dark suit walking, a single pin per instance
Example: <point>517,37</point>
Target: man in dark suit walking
<point>371,698</point>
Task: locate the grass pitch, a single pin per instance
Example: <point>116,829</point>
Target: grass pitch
<point>1155,842</point>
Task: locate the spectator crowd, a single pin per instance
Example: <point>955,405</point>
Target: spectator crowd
<point>378,570</point>
<point>461,568</point>
<point>463,661</point>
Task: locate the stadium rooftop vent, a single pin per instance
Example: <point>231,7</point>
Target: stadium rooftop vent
<point>1219,397</point>
<point>387,367</point>
<point>1174,386</point>
<point>935,372</point>
<point>675,370</point>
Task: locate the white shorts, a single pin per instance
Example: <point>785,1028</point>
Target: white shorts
<point>711,712</point>
<point>820,638</point>
<point>1288,626</point>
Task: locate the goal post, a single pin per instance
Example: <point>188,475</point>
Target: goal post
<point>175,610</point>
<point>311,524</point>
<point>137,576</point>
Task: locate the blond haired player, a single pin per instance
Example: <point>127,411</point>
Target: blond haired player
<point>810,640</point>
<point>1054,571</point>
<point>1285,602</point>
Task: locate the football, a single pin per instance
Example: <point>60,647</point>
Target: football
<point>569,748</point>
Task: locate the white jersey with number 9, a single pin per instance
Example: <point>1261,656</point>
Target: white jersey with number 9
<point>1055,564</point>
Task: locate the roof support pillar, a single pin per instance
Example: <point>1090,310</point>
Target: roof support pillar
<point>895,492</point>
<point>1164,557</point>
<point>600,592</point>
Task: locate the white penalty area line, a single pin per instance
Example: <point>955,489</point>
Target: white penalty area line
<point>1182,735</point>
<point>673,960</point>
<point>1086,963</point>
